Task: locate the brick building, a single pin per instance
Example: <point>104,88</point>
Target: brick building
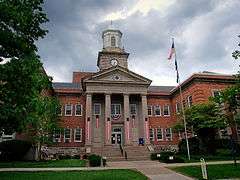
<point>117,106</point>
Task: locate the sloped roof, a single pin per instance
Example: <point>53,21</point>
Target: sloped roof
<point>165,89</point>
<point>64,85</point>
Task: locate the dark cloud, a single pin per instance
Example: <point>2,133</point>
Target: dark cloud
<point>205,34</point>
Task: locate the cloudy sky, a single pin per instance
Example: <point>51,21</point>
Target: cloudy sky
<point>205,33</point>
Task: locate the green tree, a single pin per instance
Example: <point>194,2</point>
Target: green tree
<point>20,27</point>
<point>204,120</point>
<point>236,53</point>
<point>21,81</point>
<point>43,120</point>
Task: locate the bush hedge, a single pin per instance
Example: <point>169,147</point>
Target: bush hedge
<point>193,146</point>
<point>14,150</point>
<point>170,157</point>
<point>94,160</point>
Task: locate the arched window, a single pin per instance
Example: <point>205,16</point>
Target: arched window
<point>113,41</point>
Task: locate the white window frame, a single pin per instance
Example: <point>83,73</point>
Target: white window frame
<point>178,110</point>
<point>168,107</point>
<point>115,105</point>
<point>215,90</point>
<point>157,130</point>
<point>135,106</point>
<point>151,107</point>
<point>167,139</point>
<point>69,139</point>
<point>155,107</point>
<point>188,101</point>
<point>76,109</point>
<point>57,139</point>
<point>153,138</point>
<point>99,109</point>
<point>66,109</point>
<point>75,135</point>
<point>61,107</point>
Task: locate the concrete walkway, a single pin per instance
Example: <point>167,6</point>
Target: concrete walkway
<point>152,169</point>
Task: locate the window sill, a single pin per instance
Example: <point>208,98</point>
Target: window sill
<point>78,115</point>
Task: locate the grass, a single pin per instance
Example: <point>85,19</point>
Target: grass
<point>73,175</point>
<point>221,155</point>
<point>219,171</point>
<point>34,164</point>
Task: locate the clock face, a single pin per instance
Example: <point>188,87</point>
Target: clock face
<point>114,62</point>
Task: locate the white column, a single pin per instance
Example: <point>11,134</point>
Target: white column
<point>145,123</point>
<point>108,125</point>
<point>126,119</point>
<point>88,132</point>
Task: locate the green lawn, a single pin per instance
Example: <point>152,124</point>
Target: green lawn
<point>56,163</point>
<point>221,155</point>
<point>214,171</point>
<point>73,175</point>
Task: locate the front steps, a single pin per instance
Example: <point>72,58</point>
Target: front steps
<point>113,153</point>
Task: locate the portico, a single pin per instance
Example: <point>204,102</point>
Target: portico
<point>116,109</point>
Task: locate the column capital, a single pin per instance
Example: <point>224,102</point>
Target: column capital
<point>107,93</point>
<point>126,94</point>
<point>143,94</point>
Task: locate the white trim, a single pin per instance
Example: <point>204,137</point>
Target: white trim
<point>170,134</point>
<point>135,105</point>
<point>159,110</point>
<point>61,107</point>
<point>69,137</point>
<point>215,90</point>
<point>115,109</point>
<point>66,109</point>
<point>176,106</point>
<point>151,129</point>
<point>151,107</point>
<point>75,135</point>
<point>99,109</point>
<point>188,101</point>
<point>58,139</point>
<point>76,109</point>
<point>157,134</point>
<point>168,111</point>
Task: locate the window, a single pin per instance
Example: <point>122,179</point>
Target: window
<point>178,107</point>
<point>157,110</point>
<point>184,104</point>
<point>166,110</point>
<point>57,136</point>
<point>68,110</point>
<point>133,109</point>
<point>151,134</point>
<point>215,93</point>
<point>113,41</point>
<point>223,134</point>
<point>159,134</point>
<point>97,109</point>
<point>149,110</point>
<point>116,109</point>
<point>67,135</point>
<point>59,110</point>
<point>189,100</point>
<point>78,110</point>
<point>77,135</point>
<point>168,134</point>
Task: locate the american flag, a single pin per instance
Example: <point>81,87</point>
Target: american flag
<point>171,52</point>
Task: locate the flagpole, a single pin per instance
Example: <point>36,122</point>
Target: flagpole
<point>181,99</point>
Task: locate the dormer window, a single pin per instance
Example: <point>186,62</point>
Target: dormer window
<point>113,41</point>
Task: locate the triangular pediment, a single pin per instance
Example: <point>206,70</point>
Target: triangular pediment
<point>118,74</point>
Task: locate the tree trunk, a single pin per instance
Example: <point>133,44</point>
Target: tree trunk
<point>38,152</point>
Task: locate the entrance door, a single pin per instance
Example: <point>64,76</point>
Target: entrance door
<point>116,136</point>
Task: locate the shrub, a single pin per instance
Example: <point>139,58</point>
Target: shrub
<point>165,157</point>
<point>193,146</point>
<point>94,160</point>
<point>154,156</point>
<point>14,150</point>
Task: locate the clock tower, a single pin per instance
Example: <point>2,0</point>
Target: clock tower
<point>113,53</point>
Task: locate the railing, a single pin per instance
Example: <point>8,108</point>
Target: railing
<point>121,149</point>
